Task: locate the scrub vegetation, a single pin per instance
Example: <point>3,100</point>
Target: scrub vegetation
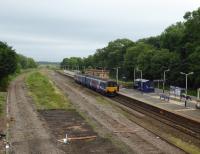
<point>11,64</point>
<point>185,146</point>
<point>45,94</point>
<point>2,102</point>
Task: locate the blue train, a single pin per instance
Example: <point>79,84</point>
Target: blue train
<point>105,87</point>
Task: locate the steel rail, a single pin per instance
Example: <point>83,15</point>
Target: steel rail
<point>185,125</point>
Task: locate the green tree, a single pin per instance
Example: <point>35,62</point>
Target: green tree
<point>25,62</point>
<point>73,62</point>
<point>131,57</point>
<point>115,52</point>
<point>144,63</point>
<point>162,60</point>
<point>8,60</point>
<point>88,62</point>
<point>64,63</point>
<point>22,60</point>
<point>8,64</point>
<point>177,48</point>
<point>192,31</point>
<point>194,66</point>
<point>154,41</point>
<point>31,63</point>
<point>172,37</point>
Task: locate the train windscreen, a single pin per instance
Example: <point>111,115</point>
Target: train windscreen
<point>112,84</point>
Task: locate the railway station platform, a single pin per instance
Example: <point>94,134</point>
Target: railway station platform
<point>173,105</point>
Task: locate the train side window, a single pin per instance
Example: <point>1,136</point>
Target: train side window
<point>102,85</point>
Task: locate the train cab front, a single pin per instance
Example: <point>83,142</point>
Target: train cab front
<point>112,88</point>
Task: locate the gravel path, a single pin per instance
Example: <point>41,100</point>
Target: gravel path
<point>27,132</point>
<point>140,141</point>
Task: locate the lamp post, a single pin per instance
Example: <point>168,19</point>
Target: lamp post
<point>141,79</point>
<point>164,80</point>
<point>117,73</point>
<point>186,77</point>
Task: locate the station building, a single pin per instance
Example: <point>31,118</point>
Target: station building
<point>101,73</point>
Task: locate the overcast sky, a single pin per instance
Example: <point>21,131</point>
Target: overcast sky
<point>49,30</point>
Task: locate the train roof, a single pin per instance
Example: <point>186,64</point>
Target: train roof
<point>141,80</point>
<point>95,77</point>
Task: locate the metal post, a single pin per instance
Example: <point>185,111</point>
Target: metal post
<point>186,76</point>
<point>164,83</point>
<point>186,85</point>
<point>164,80</point>
<point>141,82</point>
<point>117,75</point>
<point>134,76</point>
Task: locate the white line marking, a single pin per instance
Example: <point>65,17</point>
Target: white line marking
<point>188,109</point>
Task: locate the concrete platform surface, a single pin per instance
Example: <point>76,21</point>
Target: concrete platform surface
<point>175,106</point>
<point>69,72</point>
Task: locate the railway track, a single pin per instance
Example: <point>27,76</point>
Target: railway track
<point>183,124</point>
<point>171,119</point>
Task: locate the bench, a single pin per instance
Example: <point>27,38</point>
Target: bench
<point>165,97</point>
<point>185,97</point>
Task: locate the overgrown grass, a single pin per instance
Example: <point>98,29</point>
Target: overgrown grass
<point>2,102</point>
<point>189,148</point>
<point>4,82</point>
<point>45,94</point>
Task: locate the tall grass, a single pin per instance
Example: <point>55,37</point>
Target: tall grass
<point>2,102</point>
<point>44,93</point>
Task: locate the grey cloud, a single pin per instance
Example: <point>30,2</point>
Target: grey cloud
<point>51,30</point>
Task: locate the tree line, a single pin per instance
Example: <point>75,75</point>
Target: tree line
<point>177,49</point>
<point>11,63</point>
